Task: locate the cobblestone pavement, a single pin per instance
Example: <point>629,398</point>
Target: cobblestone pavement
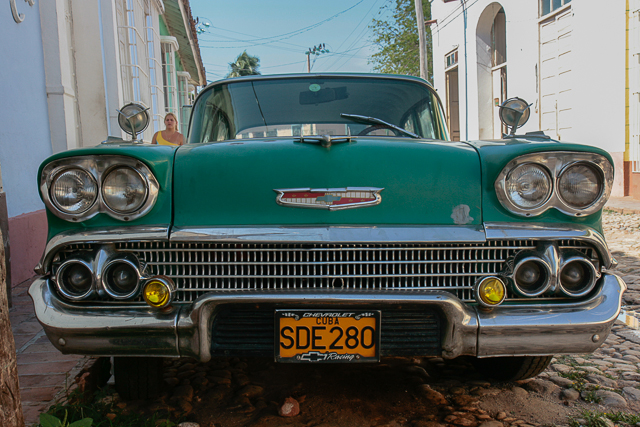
<point>426,392</point>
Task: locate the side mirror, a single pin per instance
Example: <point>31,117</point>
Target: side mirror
<point>133,118</point>
<point>514,113</point>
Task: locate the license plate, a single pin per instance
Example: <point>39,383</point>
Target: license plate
<point>327,336</point>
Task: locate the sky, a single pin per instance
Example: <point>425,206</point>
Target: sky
<point>279,32</point>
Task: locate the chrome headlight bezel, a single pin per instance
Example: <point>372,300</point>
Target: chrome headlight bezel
<point>106,175</point>
<point>54,179</point>
<point>98,167</point>
<point>556,162</point>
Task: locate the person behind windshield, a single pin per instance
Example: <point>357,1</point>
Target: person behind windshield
<point>169,136</point>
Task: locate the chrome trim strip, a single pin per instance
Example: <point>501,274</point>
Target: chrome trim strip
<point>556,162</point>
<point>542,231</point>
<point>551,329</point>
<point>331,234</point>
<point>100,235</point>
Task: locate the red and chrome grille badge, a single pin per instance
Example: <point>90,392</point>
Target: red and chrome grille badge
<point>332,199</point>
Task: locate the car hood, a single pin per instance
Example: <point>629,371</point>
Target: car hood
<point>235,183</point>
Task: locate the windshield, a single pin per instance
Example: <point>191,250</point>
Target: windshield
<point>301,106</point>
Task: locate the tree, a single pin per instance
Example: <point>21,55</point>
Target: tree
<point>397,39</point>
<point>245,65</point>
<point>10,405</point>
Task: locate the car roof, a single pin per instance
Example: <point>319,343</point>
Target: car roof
<point>261,77</point>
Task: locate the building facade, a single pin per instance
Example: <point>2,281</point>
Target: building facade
<point>73,64</point>
<point>566,58</point>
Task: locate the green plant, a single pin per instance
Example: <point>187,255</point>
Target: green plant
<point>621,417</point>
<point>102,411</point>
<point>574,375</point>
<point>591,397</point>
<point>598,419</point>
<point>48,420</point>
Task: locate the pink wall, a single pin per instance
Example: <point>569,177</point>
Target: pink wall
<point>27,238</point>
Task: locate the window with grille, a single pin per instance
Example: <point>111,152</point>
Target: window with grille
<point>451,59</point>
<point>548,6</point>
<point>155,66</point>
<point>170,84</point>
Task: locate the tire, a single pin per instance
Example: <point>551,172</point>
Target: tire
<point>512,368</point>
<point>138,377</point>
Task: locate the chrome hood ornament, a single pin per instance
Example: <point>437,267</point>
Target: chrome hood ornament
<point>332,199</point>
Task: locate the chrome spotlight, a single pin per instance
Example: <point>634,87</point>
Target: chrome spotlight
<point>514,112</point>
<point>133,118</point>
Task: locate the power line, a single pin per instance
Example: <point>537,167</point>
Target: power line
<point>354,29</point>
<point>284,36</point>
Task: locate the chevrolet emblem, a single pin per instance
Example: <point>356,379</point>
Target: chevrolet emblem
<point>329,198</point>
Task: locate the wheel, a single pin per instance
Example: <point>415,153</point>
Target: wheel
<point>138,377</point>
<point>512,368</point>
<point>374,128</point>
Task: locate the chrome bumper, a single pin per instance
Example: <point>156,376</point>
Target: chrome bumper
<point>533,329</point>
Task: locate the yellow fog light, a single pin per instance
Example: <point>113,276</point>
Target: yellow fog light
<point>157,291</point>
<point>490,291</point>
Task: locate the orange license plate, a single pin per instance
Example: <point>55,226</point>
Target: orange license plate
<point>327,336</point>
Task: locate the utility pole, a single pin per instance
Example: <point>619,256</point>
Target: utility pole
<point>422,43</point>
<point>316,50</point>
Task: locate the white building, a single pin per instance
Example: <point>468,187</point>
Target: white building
<point>565,57</point>
<point>69,65</point>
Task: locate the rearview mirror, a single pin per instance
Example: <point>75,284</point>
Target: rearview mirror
<point>323,95</point>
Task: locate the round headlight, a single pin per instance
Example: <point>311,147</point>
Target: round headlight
<point>124,190</point>
<point>528,186</point>
<point>580,185</point>
<point>121,279</point>
<point>531,276</point>
<point>490,292</point>
<point>74,279</point>
<point>157,292</point>
<point>74,191</point>
<point>577,277</point>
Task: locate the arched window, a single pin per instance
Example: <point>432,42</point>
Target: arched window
<point>491,36</point>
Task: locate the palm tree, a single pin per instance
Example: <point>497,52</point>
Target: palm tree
<point>245,65</point>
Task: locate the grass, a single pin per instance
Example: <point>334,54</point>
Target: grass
<point>105,412</point>
<point>591,397</point>
<point>598,419</point>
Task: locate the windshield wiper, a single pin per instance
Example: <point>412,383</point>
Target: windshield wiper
<point>373,120</point>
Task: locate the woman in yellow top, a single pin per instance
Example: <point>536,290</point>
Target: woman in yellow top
<point>169,136</point>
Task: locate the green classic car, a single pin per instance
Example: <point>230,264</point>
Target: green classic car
<point>326,218</point>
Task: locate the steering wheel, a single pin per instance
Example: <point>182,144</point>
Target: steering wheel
<point>368,130</point>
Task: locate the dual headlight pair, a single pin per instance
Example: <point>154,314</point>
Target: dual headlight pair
<point>119,279</point>
<point>573,183</point>
<point>537,273</point>
<point>78,188</point>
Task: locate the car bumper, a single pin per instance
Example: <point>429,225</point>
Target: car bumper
<point>532,329</point>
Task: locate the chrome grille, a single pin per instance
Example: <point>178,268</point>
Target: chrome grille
<point>199,268</point>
